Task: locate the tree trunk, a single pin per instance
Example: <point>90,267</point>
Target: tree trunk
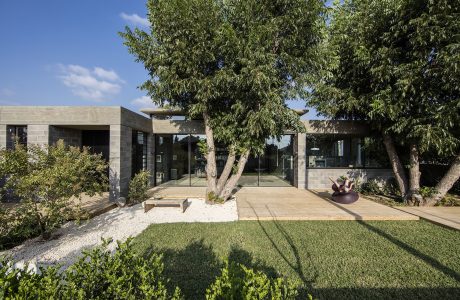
<point>211,169</point>
<point>227,171</point>
<point>396,164</point>
<point>446,183</point>
<point>414,197</point>
<point>231,183</point>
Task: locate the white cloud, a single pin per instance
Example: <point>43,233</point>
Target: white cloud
<point>135,19</point>
<point>106,74</point>
<point>143,101</point>
<point>97,85</point>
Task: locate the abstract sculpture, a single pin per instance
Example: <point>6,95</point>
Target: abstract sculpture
<point>343,193</point>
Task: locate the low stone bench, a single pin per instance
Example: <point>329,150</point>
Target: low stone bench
<point>169,201</point>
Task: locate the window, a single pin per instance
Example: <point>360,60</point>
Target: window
<point>344,151</point>
<point>16,134</point>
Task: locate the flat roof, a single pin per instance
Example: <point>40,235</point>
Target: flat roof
<point>163,112</point>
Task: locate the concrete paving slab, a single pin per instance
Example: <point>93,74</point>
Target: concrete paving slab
<point>446,216</point>
<point>289,203</point>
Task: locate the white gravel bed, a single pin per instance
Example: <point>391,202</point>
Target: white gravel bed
<point>118,224</point>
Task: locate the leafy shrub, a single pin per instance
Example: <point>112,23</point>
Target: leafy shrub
<point>96,275</point>
<point>239,282</point>
<point>449,200</point>
<point>427,191</point>
<point>138,187</point>
<point>213,198</point>
<point>390,187</point>
<point>45,178</point>
<point>370,187</point>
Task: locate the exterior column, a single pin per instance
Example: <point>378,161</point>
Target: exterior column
<point>2,136</point>
<point>119,160</point>
<point>300,160</point>
<point>38,135</point>
<point>151,157</point>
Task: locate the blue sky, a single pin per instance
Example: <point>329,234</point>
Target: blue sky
<point>55,52</point>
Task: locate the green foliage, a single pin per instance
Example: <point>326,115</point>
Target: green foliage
<point>97,274</point>
<point>138,187</point>
<point>234,61</point>
<point>395,63</point>
<point>370,187</point>
<point>202,147</point>
<point>213,198</point>
<point>427,191</point>
<point>44,179</point>
<point>239,282</point>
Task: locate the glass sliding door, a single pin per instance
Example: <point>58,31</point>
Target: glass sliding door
<point>179,161</point>
<point>171,159</point>
<point>277,164</point>
<point>197,161</point>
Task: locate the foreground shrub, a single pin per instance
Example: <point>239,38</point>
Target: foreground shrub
<point>238,282</point>
<point>44,178</point>
<point>96,275</point>
<point>138,187</point>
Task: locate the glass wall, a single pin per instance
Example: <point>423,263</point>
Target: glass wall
<point>344,151</point>
<point>171,159</point>
<point>277,165</point>
<point>138,152</point>
<point>16,134</point>
<point>179,161</point>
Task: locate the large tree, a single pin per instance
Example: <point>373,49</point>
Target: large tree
<point>396,63</point>
<point>234,64</point>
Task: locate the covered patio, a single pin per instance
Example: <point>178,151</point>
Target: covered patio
<point>290,203</point>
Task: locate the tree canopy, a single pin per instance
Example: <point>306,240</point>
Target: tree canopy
<point>234,63</point>
<point>396,63</point>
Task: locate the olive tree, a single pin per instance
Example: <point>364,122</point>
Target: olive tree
<point>233,64</point>
<point>395,63</point>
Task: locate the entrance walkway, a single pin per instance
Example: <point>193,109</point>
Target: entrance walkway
<point>447,216</point>
<point>289,203</point>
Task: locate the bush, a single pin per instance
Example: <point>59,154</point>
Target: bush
<point>370,187</point>
<point>45,178</point>
<point>101,274</point>
<point>96,275</point>
<point>238,282</point>
<point>138,187</point>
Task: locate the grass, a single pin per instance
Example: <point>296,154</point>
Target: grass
<point>329,259</point>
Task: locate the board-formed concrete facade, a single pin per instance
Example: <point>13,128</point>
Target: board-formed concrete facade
<point>48,124</point>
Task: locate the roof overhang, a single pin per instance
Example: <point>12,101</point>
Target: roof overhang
<point>165,112</point>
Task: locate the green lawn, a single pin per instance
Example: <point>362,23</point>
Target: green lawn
<point>330,259</point>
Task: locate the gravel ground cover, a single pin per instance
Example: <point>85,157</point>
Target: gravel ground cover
<point>118,224</point>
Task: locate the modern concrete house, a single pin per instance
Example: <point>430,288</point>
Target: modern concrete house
<point>166,144</point>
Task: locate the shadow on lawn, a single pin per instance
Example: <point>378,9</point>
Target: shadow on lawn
<point>426,258</point>
<point>194,268</point>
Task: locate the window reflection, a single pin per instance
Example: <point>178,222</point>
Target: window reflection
<point>344,151</point>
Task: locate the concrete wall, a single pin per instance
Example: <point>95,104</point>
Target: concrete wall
<point>2,136</point>
<point>37,134</point>
<point>70,136</point>
<point>120,160</point>
<point>319,178</point>
<point>177,126</point>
